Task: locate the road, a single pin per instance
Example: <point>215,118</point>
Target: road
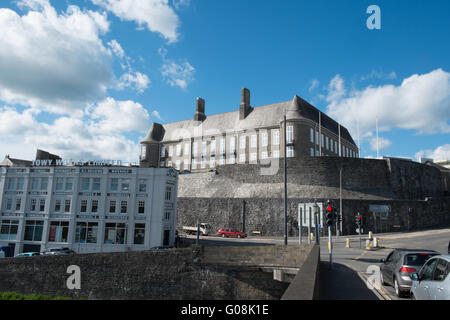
<point>353,264</point>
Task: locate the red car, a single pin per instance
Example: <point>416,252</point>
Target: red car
<point>231,233</point>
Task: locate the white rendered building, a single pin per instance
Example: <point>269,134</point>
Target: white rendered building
<point>90,208</point>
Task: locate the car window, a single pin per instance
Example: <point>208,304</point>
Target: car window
<point>441,270</point>
<point>426,273</point>
<point>389,257</point>
<point>416,259</point>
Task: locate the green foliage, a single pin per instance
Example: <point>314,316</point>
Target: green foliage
<point>20,296</point>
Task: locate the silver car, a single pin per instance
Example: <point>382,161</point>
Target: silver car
<point>399,265</point>
<point>432,282</point>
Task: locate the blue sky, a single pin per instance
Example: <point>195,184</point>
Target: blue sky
<point>87,78</point>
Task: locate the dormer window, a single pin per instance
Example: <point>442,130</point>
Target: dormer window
<point>143,151</point>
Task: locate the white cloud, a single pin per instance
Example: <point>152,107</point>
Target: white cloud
<point>176,74</point>
<point>134,79</point>
<point>101,135</point>
<point>314,84</point>
<point>383,143</point>
<point>156,15</point>
<point>116,48</point>
<point>156,115</point>
<point>420,103</point>
<point>379,75</point>
<point>440,153</point>
<point>53,61</point>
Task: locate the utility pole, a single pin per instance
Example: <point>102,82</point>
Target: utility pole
<point>341,212</point>
<point>285,182</point>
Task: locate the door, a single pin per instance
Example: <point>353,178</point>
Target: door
<point>422,291</point>
<point>166,239</point>
<point>438,289</point>
<point>31,248</point>
<point>389,266</point>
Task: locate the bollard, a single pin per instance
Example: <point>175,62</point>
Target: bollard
<point>347,243</point>
<point>368,244</point>
<point>312,236</point>
<point>370,235</point>
<point>375,242</point>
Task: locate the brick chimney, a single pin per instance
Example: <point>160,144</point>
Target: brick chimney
<point>244,108</point>
<point>200,110</point>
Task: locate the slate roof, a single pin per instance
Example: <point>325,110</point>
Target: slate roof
<point>8,162</point>
<point>260,117</point>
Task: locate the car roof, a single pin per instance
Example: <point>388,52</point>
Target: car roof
<point>443,256</point>
<point>409,251</point>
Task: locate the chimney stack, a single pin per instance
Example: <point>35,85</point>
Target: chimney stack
<point>200,110</point>
<point>244,108</point>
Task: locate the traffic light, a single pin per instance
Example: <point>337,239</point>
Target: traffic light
<point>358,220</point>
<point>329,214</point>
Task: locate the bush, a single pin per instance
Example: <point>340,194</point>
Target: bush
<point>20,296</point>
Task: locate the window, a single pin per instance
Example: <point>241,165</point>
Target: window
<point>8,229</point>
<point>18,204</point>
<point>232,144</point>
<point>178,149</point>
<point>34,184</point>
<point>311,135</point>
<point>123,206</point>
<point>290,151</point>
<point>115,233</point>
<point>177,164</point>
<point>8,205</point>
<point>212,147</point>
<point>85,184</point>
<point>20,182</point>
<point>141,207</point>
<point>167,215</point>
<point>222,160</point>
<point>264,155</point>
<point>42,205</point>
<point>58,231</point>
<point>195,151</point>
<point>57,205</point>
<point>170,151</point>
<point>441,271</point>
<point>203,148</point>
<point>253,141</point>
<point>232,159</point>
<point>253,156</point>
<point>264,139</point>
<point>143,151</point>
<point>112,206</point>
<point>142,185</point>
<point>168,196</point>
<point>322,142</point>
<point>94,206</point>
<point>336,147</point>
<point>290,134</point>
<point>194,163</point>
<point>86,232</point>
<point>242,140</point>
<point>33,205</point>
<point>83,207</point>
<point>203,163</point>
<point>139,233</point>
<point>96,184</point>
<point>59,184</point>
<point>426,273</point>
<point>242,158</point>
<point>312,152</point>
<point>66,205</point>
<point>275,137</point>
<point>212,162</point>
<point>33,230</point>
<point>327,142</point>
<point>69,184</point>
<point>163,152</point>
<point>44,183</point>
<point>276,154</point>
<point>185,164</point>
<point>331,145</point>
<point>11,183</point>
<point>187,148</point>
<point>125,185</point>
<point>169,164</point>
<point>222,145</point>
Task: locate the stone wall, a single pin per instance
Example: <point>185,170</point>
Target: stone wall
<point>190,273</point>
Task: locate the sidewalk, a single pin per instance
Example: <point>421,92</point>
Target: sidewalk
<point>342,283</point>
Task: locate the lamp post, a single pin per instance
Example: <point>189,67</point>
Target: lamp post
<point>285,183</point>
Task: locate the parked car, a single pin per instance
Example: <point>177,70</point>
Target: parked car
<point>432,282</point>
<point>2,254</point>
<point>400,264</point>
<point>27,254</point>
<point>56,251</point>
<point>231,233</point>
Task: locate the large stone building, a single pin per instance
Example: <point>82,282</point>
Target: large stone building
<point>95,206</point>
<point>247,135</point>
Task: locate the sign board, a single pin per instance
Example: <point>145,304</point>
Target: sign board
<point>308,209</point>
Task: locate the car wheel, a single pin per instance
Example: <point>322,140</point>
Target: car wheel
<point>398,293</point>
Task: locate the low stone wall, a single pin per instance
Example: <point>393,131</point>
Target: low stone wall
<point>191,273</point>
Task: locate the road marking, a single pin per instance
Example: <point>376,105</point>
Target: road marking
<point>361,255</point>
